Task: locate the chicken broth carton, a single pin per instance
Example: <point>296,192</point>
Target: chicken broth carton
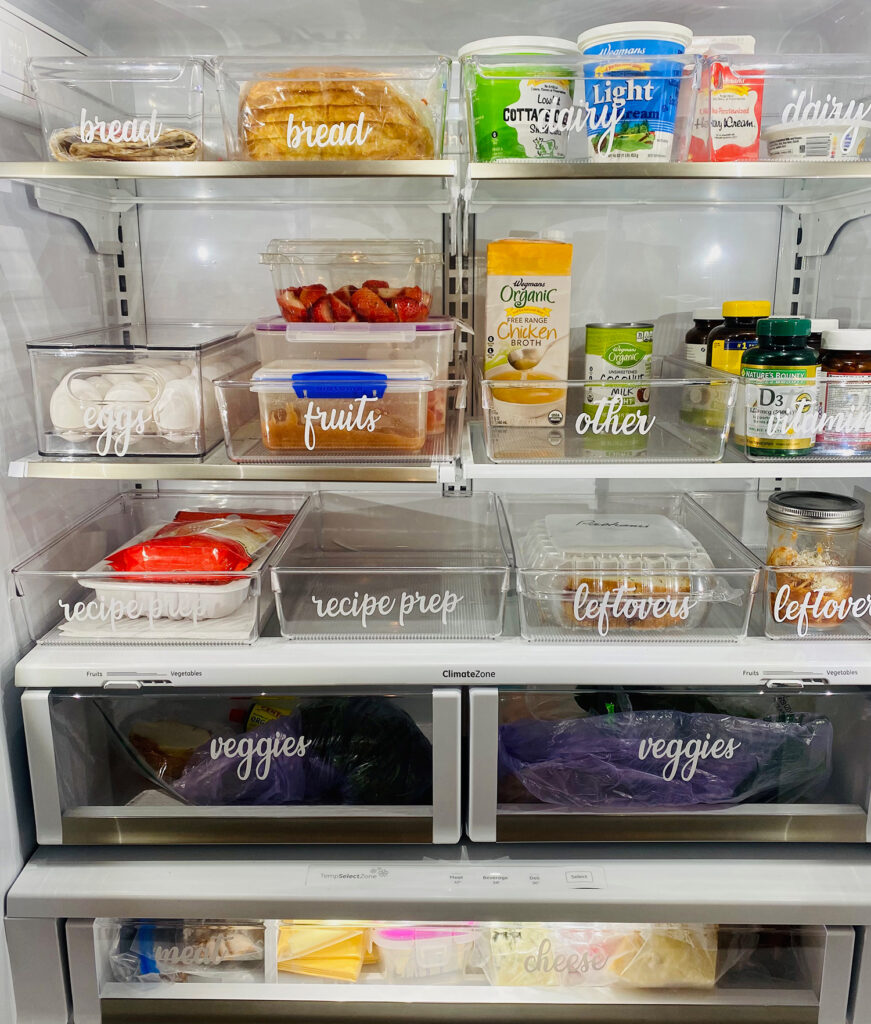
<point>528,293</point>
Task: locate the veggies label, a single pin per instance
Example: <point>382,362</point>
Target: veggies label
<point>690,751</point>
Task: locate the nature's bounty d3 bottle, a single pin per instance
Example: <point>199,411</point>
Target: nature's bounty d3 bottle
<point>780,389</point>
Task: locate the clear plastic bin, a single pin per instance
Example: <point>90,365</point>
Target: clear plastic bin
<point>558,107</point>
<point>343,405</point>
<point>680,763</point>
<point>152,767</point>
<point>682,413</point>
<point>181,952</point>
<point>101,108</point>
<point>316,281</point>
<point>334,108</point>
<point>652,568</point>
<point>814,420</point>
<point>393,567</point>
<point>432,342</point>
<point>424,428</point>
<point>783,107</point>
<point>134,390</point>
<point>71,594</point>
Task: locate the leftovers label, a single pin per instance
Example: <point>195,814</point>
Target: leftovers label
<point>821,606</point>
<point>624,606</point>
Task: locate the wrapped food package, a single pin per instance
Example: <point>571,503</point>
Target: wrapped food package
<point>181,951</point>
<point>513,955</point>
<point>190,543</point>
<point>323,949</point>
<point>664,758</point>
<point>347,750</point>
<point>667,956</point>
<point>361,116</point>
<point>167,745</point>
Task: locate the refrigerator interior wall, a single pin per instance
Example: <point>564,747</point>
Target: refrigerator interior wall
<point>50,282</point>
<point>135,27</point>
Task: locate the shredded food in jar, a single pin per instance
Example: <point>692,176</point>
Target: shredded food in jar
<point>810,578</point>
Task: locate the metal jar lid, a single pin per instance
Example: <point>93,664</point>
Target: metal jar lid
<point>815,508</point>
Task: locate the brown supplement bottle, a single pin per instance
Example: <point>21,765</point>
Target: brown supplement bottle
<point>696,347</point>
<point>845,391</point>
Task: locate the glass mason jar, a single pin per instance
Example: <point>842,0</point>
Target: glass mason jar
<point>811,535</point>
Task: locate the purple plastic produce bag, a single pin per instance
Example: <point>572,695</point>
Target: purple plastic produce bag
<point>643,759</point>
<point>254,774</point>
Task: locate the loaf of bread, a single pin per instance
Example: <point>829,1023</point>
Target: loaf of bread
<point>322,113</point>
<point>167,745</point>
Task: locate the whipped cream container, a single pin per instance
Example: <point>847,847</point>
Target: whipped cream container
<point>631,96</point>
<point>817,140</point>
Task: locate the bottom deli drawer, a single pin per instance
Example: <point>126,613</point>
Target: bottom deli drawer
<point>593,764</point>
<point>160,970</point>
<point>216,768</point>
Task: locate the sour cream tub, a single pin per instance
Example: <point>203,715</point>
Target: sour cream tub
<point>631,99</point>
<point>512,98</point>
<point>818,140</point>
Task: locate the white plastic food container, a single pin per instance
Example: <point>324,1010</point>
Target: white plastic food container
<point>437,955</point>
<point>817,140</point>
<point>343,405</point>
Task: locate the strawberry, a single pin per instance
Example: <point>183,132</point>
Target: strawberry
<point>411,293</point>
<point>291,307</point>
<point>369,306</point>
<point>309,295</point>
<point>426,300</point>
<point>322,312</point>
<point>345,293</point>
<point>341,310</point>
<point>375,285</point>
<point>409,310</point>
<point>389,293</point>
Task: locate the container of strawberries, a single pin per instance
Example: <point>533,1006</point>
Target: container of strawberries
<point>368,281</point>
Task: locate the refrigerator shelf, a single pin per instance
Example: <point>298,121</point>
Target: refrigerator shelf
<point>272,662</point>
<point>473,464</point>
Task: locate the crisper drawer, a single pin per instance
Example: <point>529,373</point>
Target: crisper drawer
<point>703,764</point>
<point>332,971</point>
<point>291,767</point>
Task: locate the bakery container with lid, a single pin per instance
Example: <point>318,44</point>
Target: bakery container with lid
<point>133,391</point>
<point>334,108</point>
<point>658,568</point>
<point>70,593</point>
<point>109,108</point>
<point>393,566</point>
<point>315,280</point>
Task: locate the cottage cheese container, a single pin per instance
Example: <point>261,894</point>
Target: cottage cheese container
<point>515,86</point>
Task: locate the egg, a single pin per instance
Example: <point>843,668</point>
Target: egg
<point>177,412</point>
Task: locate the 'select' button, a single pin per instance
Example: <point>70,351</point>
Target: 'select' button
<point>580,878</point>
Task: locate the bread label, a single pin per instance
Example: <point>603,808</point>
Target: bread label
<point>323,135</point>
<point>367,606</point>
<point>137,129</point>
<point>263,750</point>
<point>691,751</point>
